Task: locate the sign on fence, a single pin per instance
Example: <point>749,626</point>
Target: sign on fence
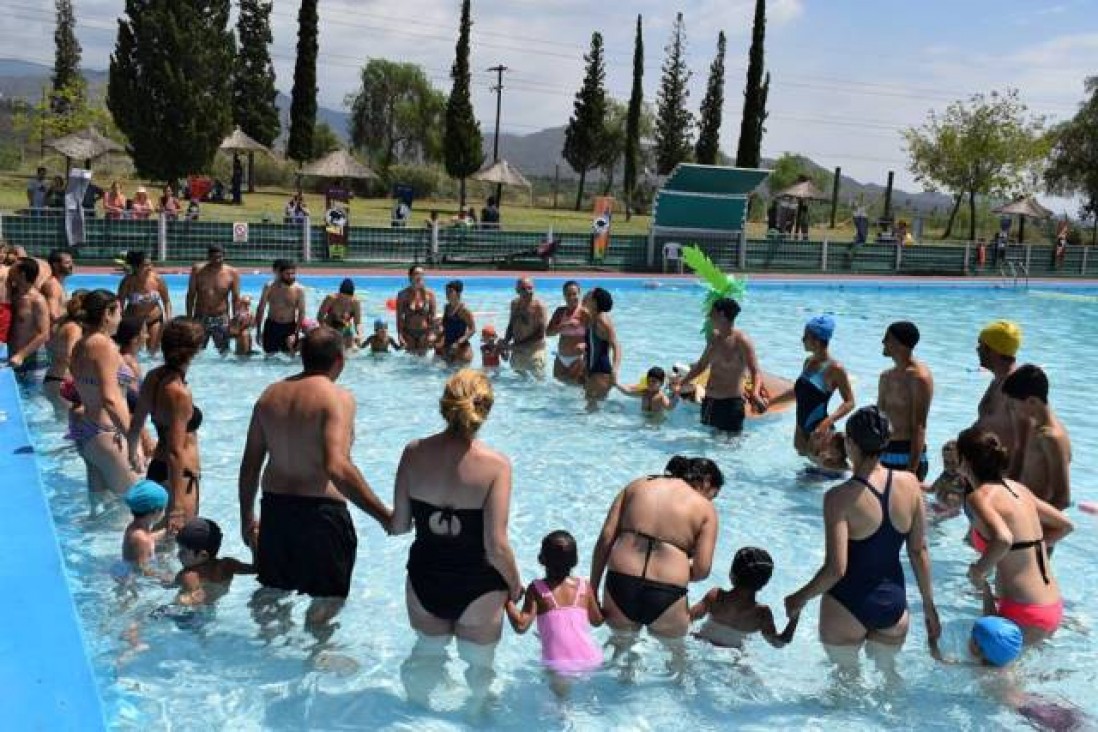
<point>240,232</point>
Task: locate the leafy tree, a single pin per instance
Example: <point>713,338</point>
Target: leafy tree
<point>1073,164</point>
<point>397,115</point>
<point>709,129</point>
<point>66,62</point>
<point>586,132</point>
<point>614,126</point>
<point>303,102</point>
<point>755,93</point>
<point>988,145</point>
<point>254,76</point>
<point>673,120</point>
<point>632,122</point>
<point>789,169</point>
<point>462,142</point>
<point>38,122</point>
<point>325,140</point>
<point>170,84</point>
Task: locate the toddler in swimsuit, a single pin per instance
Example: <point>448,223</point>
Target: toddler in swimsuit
<point>380,341</point>
<point>205,576</point>
<point>491,350</point>
<point>240,327</point>
<point>949,487</point>
<point>651,393</point>
<point>146,501</point>
<point>730,617</point>
<point>565,609</point>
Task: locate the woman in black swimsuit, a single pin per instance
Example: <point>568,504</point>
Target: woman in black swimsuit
<point>659,536</point>
<point>456,492</point>
<point>166,399</point>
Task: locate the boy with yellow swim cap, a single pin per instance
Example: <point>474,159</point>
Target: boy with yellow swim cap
<point>998,344</point>
<point>1004,337</point>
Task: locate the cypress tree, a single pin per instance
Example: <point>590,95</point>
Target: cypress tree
<point>170,84</point>
<point>303,103</point>
<point>66,62</point>
<point>584,136</point>
<point>749,151</point>
<point>673,120</point>
<point>462,143</point>
<point>709,128</point>
<point>633,117</point>
<point>254,90</point>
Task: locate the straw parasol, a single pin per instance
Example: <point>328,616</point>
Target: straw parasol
<point>804,190</point>
<point>337,164</point>
<point>1023,207</point>
<point>240,142</point>
<point>503,173</point>
<point>87,145</point>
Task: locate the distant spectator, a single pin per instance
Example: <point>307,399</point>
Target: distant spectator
<point>92,196</point>
<point>141,207</point>
<point>217,192</point>
<point>296,212</point>
<point>237,180</point>
<point>114,203</point>
<point>55,194</point>
<point>36,190</point>
<point>169,204</point>
<point>1000,248</point>
<point>401,213</point>
<point>471,218</point>
<point>772,216</point>
<point>489,215</point>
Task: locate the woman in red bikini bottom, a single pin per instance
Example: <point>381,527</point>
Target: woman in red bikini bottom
<point>1013,531</point>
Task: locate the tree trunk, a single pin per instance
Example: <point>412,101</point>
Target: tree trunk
<point>972,215</point>
<point>609,182</point>
<point>461,193</point>
<point>953,215</point>
<point>579,192</point>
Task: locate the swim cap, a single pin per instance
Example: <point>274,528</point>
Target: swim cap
<point>146,496</point>
<point>906,332</point>
<point>379,324</point>
<point>489,331</point>
<point>200,535</point>
<point>1003,336</point>
<point>999,639</point>
<point>680,369</point>
<point>822,327</point>
<point>870,429</point>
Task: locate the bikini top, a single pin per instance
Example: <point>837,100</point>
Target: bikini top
<point>143,298</point>
<point>981,542</point>
<point>194,423</point>
<point>573,331</point>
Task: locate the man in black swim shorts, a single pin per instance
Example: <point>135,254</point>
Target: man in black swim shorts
<point>301,428</point>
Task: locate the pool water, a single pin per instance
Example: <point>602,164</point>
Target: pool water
<point>248,668</point>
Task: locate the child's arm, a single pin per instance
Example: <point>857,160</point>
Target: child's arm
<point>235,566</point>
<point>594,612</point>
<point>700,610</point>
<point>522,620</point>
<point>396,346</point>
<point>632,391</point>
<point>190,589</point>
<point>991,607</point>
<point>770,631</point>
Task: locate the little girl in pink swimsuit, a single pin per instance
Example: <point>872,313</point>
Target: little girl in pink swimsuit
<point>565,609</point>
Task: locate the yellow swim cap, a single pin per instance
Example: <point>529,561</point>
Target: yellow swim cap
<point>1003,336</point>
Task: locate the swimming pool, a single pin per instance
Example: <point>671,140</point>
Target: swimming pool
<point>248,671</point>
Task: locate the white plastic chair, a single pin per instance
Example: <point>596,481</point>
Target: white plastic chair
<point>672,252</point>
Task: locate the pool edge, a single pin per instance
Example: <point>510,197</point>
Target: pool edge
<point>45,662</point>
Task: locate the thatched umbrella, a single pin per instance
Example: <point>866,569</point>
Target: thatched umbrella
<point>1023,207</point>
<point>239,142</point>
<point>804,190</point>
<point>502,173</point>
<point>338,164</point>
<point>86,145</point>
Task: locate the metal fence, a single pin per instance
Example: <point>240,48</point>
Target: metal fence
<point>182,242</point>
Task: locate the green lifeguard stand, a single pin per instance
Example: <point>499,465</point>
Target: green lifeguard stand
<point>704,205</point>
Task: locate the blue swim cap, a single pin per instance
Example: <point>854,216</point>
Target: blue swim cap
<point>379,323</point>
<point>999,639</point>
<point>821,327</point>
<point>145,496</point>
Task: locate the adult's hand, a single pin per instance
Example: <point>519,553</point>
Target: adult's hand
<point>794,604</point>
<point>933,625</point>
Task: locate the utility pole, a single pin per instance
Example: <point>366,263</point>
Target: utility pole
<point>498,89</point>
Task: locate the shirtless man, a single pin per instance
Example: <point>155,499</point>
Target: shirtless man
<point>213,290</point>
<point>285,300</point>
<point>525,336</point>
<point>53,289</point>
<point>729,357</point>
<point>30,326</point>
<point>302,428</point>
<point>997,347</point>
<point>1046,452</point>
<point>415,314</point>
<point>903,394</point>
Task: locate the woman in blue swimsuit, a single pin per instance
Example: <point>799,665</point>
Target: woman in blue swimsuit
<point>821,377</point>
<point>867,520</point>
<point>602,341</point>
<point>458,326</point>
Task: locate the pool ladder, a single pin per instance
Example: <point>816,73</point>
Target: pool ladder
<point>1015,275</point>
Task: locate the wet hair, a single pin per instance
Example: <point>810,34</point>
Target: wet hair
<point>752,568</point>
<point>870,430</point>
<point>215,249</point>
<point>466,402</point>
<point>677,467</point>
<point>347,286</point>
<point>1025,382</point>
<point>558,555</point>
<point>570,283</point>
<point>986,456</point>
<point>727,307</point>
<point>284,264</point>
<point>704,470</point>
<point>74,308</point>
<point>604,301</point>
<point>181,341</point>
<point>321,349</point>
<point>128,329</point>
<point>55,255</point>
<point>414,267</point>
<point>96,305</point>
<point>657,373</point>
<point>278,265</point>
<point>136,259</point>
<point>905,332</point>
<point>28,268</point>
<point>456,285</point>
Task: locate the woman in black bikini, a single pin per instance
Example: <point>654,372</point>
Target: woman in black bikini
<point>659,536</point>
<point>144,294</point>
<point>166,399</point>
<point>68,331</point>
<point>456,491</point>
<point>415,312</point>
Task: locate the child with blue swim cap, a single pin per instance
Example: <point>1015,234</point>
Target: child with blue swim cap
<point>996,640</point>
<point>147,501</point>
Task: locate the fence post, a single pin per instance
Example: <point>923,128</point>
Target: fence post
<point>968,254</point>
<point>306,241</point>
<point>741,255</point>
<point>651,239</point>
<point>823,257</point>
<point>1082,267</point>
<point>1029,248</point>
<point>899,254</point>
<point>162,237</point>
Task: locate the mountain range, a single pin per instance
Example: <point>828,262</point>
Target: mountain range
<point>537,154</point>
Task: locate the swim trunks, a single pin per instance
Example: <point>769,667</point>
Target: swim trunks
<point>530,361</point>
<point>34,368</point>
<point>306,544</point>
<point>217,330</point>
<point>5,321</point>
<point>726,415</point>
<point>276,335</point>
<point>897,455</point>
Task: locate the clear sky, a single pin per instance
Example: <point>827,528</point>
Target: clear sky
<point>847,76</point>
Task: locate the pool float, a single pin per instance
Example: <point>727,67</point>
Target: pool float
<point>1088,506</point>
<point>391,304</point>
